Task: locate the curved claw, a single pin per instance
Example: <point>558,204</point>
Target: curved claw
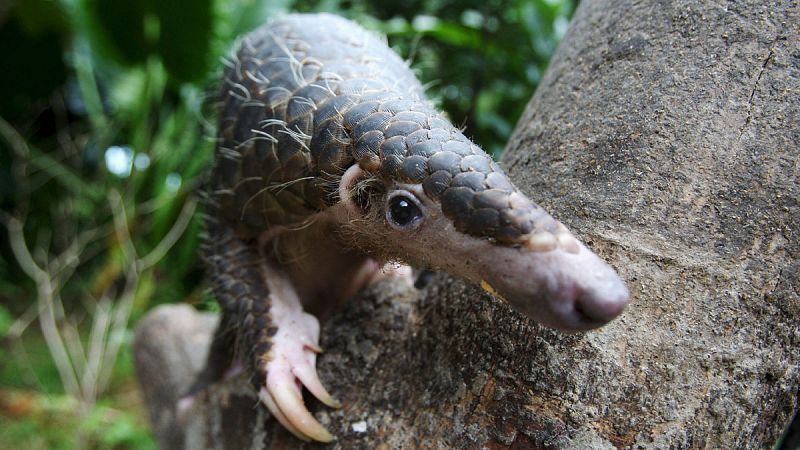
<point>310,379</point>
<point>295,412</point>
<point>266,398</point>
<point>313,347</point>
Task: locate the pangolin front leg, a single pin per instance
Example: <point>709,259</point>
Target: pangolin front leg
<point>273,337</point>
<point>291,360</point>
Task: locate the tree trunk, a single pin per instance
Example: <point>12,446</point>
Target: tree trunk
<point>665,134</point>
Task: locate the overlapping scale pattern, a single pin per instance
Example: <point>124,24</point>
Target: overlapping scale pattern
<point>306,97</point>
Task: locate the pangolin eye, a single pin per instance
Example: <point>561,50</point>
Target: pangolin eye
<point>403,212</point>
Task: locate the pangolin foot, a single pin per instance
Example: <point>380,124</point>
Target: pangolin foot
<point>292,366</point>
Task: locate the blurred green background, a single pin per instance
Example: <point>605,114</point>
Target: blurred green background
<point>106,131</point>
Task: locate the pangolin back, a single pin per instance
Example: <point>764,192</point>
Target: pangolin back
<point>307,96</point>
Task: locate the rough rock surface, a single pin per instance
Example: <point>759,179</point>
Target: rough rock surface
<point>666,135</point>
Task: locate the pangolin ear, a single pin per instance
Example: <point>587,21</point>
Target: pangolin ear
<point>350,190</point>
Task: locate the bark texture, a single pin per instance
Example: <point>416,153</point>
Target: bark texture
<point>665,134</point>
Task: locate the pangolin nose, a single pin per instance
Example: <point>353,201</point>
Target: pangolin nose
<point>603,304</point>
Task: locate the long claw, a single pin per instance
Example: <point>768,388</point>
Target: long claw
<point>292,406</point>
<point>310,379</point>
<point>266,398</point>
<point>313,347</point>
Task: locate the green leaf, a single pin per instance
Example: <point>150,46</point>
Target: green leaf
<point>33,67</point>
<point>5,321</point>
<point>41,16</point>
<point>185,35</point>
<point>118,28</point>
<point>236,17</point>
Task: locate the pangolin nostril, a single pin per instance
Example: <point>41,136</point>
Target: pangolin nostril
<point>582,314</point>
<point>601,307</point>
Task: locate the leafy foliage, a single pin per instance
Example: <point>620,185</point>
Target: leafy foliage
<point>106,129</point>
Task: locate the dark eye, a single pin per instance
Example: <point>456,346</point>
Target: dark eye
<point>403,212</point>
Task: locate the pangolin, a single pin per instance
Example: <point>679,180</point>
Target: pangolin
<point>330,164</point>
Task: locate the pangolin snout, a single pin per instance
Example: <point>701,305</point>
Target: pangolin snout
<point>571,290</point>
<point>545,273</point>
